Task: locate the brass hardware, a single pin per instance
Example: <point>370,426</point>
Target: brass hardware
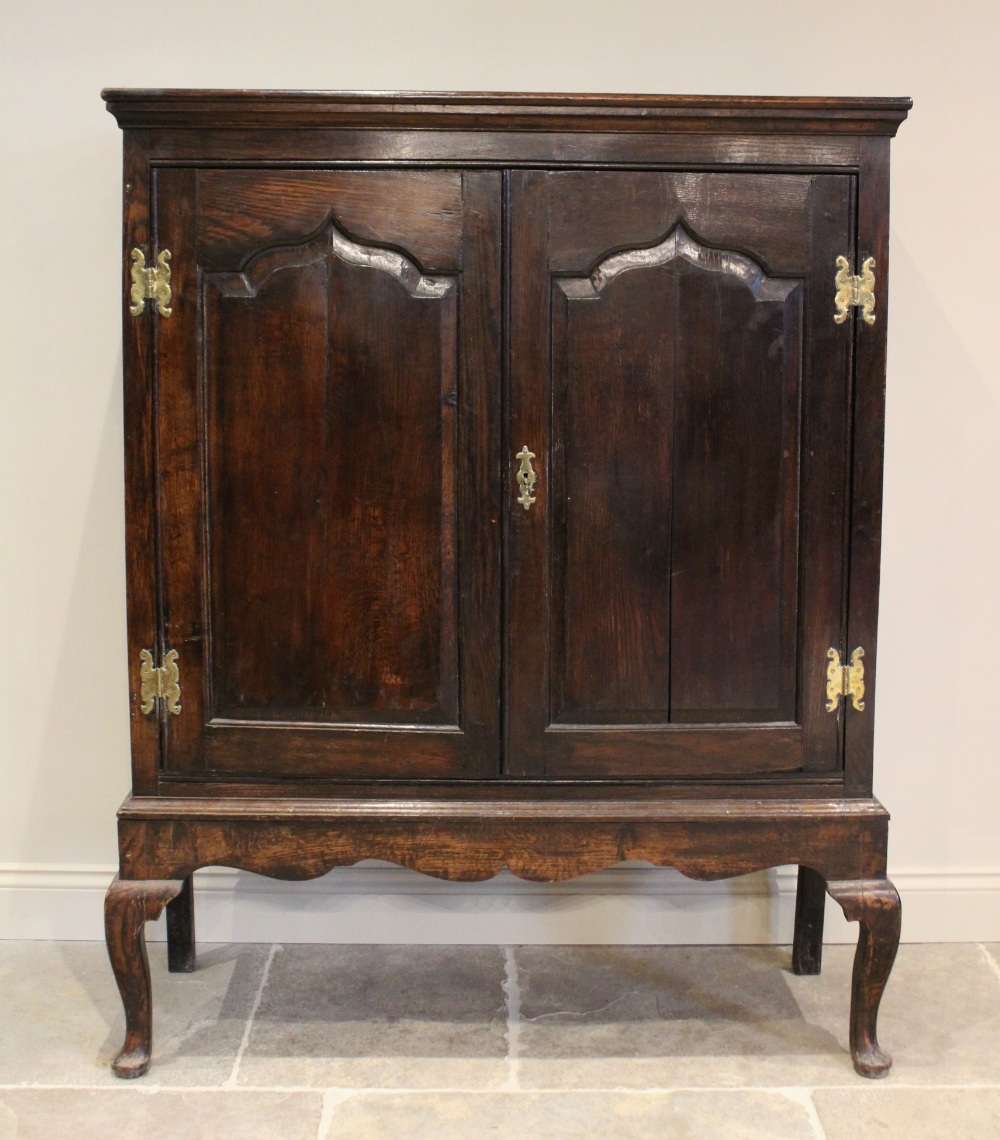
<point>526,477</point>
<point>845,680</point>
<point>151,284</point>
<point>855,291</point>
<point>159,684</point>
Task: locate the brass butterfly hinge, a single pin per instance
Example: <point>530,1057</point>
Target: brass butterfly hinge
<point>159,684</point>
<point>855,292</point>
<point>150,283</point>
<point>845,680</point>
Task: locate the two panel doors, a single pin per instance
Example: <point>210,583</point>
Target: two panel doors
<point>357,366</point>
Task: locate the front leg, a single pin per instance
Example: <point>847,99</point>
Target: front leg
<point>874,904</point>
<point>128,906</point>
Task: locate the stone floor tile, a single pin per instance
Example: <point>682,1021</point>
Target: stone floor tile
<point>568,1116</point>
<point>95,1114</point>
<point>381,1016</point>
<point>940,1016</point>
<point>916,1114</point>
<point>63,1019</point>
<point>661,1017</point>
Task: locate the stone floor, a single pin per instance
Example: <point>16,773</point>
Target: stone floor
<point>328,1042</point>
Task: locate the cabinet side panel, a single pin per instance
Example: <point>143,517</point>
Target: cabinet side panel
<point>140,461</point>
<point>869,428</point>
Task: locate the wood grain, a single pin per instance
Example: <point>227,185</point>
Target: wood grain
<point>317,445</point>
<point>141,563</point>
<point>810,903</point>
<point>242,211</point>
<point>378,299</point>
<point>181,951</point>
<point>504,111</point>
<point>128,906</point>
<point>875,906</point>
<point>695,460</point>
<point>544,841</point>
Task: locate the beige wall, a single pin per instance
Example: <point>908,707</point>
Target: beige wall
<point>63,730</point>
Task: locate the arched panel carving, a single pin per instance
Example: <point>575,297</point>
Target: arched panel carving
<point>679,244</point>
<point>330,240</point>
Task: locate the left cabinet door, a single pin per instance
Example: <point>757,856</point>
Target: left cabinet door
<point>326,396</point>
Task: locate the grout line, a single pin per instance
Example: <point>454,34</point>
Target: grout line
<point>326,1116</point>
<point>512,994</point>
<point>804,1097</point>
<point>230,1081</point>
<point>332,1099</point>
<point>990,959</point>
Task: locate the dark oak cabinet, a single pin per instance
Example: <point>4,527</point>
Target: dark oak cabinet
<point>503,490</point>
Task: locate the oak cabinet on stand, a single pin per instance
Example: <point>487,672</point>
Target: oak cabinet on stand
<point>503,483</point>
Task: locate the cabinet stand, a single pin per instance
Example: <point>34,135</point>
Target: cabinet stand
<point>840,847</point>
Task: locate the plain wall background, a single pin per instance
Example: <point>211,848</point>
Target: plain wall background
<point>63,716</point>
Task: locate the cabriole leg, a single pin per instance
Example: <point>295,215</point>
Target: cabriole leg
<point>874,905</point>
<point>180,931</point>
<point>128,906</point>
<point>810,904</point>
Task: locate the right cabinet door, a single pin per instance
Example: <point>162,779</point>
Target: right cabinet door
<point>677,372</point>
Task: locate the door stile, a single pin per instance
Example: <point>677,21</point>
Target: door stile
<point>479,494</point>
<point>526,577</point>
<point>824,481</point>
<point>180,500</point>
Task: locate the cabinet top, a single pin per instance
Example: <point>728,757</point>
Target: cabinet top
<point>504,111</point>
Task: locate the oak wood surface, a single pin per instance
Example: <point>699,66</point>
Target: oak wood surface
<point>866,473</point>
<point>542,842</point>
<point>326,423</point>
<point>378,299</point>
<point>875,906</point>
<point>810,903</point>
<point>414,148</point>
<point>692,446</point>
<point>505,110</point>
<point>773,785</point>
<point>243,211</point>
<point>181,950</point>
<point>128,906</point>
<point>141,461</point>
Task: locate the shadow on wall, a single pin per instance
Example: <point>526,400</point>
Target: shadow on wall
<point>83,773</point>
<point>939,601</point>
